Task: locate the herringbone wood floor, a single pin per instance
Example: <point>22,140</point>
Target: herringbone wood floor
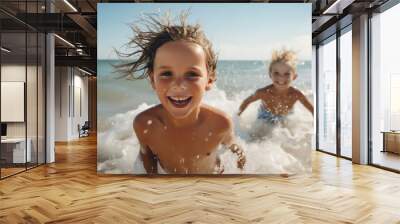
<point>70,191</point>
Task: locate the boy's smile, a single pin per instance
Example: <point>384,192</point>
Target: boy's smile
<point>180,77</point>
<point>180,102</point>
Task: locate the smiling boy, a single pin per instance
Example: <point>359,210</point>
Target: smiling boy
<point>181,134</point>
<point>278,99</point>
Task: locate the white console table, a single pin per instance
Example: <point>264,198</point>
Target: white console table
<point>18,149</point>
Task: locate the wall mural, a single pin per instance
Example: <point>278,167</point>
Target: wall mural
<point>204,88</point>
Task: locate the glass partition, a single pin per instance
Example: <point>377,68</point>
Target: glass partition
<point>22,67</point>
<point>14,153</point>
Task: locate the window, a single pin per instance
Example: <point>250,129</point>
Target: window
<point>327,96</point>
<point>346,93</point>
<point>385,89</point>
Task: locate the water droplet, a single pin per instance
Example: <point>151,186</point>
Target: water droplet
<point>198,156</point>
<point>209,133</point>
<point>149,122</point>
<point>165,127</point>
<point>174,170</point>
<point>145,131</point>
<point>206,139</point>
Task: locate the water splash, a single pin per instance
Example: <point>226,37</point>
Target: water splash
<point>268,149</point>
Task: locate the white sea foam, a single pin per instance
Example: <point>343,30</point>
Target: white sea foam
<point>269,150</point>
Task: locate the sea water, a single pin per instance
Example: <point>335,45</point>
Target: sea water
<point>275,149</point>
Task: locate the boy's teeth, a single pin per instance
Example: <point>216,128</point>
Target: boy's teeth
<point>179,98</point>
<point>180,101</point>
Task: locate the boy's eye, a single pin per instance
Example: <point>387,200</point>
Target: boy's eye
<point>287,74</point>
<point>165,74</point>
<point>192,75</point>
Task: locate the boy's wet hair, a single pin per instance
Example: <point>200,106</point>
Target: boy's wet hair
<point>156,30</point>
<point>284,56</point>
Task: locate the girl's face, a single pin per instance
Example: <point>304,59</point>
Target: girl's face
<point>180,77</point>
<point>282,75</point>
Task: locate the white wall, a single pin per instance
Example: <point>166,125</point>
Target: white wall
<point>70,83</point>
<point>62,81</point>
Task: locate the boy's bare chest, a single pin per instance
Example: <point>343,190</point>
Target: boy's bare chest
<point>187,143</point>
<point>189,151</point>
<point>279,104</point>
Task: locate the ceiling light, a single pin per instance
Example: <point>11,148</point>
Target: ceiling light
<point>70,5</point>
<point>84,71</point>
<point>329,9</point>
<point>5,50</point>
<point>65,41</point>
<point>79,51</point>
<point>338,6</point>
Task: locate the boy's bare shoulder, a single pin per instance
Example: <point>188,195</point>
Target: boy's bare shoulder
<point>216,117</point>
<point>147,116</point>
<point>296,92</point>
<point>263,90</point>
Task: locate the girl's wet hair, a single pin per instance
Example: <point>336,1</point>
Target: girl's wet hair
<point>284,56</point>
<point>156,30</point>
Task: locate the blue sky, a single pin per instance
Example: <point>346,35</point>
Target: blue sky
<point>239,31</point>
